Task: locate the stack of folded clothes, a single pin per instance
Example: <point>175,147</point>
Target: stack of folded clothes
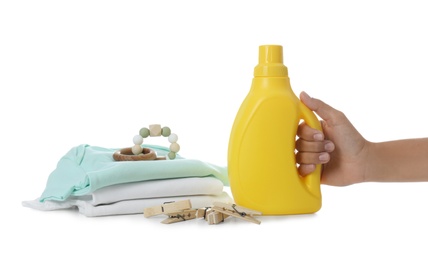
<point>88,178</point>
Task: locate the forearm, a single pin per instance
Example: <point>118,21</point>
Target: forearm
<point>398,161</point>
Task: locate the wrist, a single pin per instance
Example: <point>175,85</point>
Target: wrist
<point>368,162</point>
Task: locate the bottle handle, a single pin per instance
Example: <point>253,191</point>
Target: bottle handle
<point>313,179</point>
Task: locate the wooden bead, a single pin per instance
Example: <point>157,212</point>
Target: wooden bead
<point>171,155</point>
<point>166,131</point>
<point>174,147</point>
<point>144,132</point>
<point>138,139</point>
<point>126,154</point>
<point>155,130</point>
<point>137,149</point>
<point>152,130</point>
<point>172,138</point>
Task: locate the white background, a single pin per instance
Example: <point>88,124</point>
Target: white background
<point>95,72</point>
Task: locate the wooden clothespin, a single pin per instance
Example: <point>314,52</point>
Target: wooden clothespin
<point>180,216</point>
<point>234,211</point>
<point>167,207</point>
<point>182,210</point>
<point>211,216</point>
<point>203,212</point>
<point>215,217</point>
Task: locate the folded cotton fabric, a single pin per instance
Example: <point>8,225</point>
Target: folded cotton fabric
<point>158,188</point>
<point>124,207</point>
<point>85,169</point>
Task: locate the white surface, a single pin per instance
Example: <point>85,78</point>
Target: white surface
<point>95,72</point>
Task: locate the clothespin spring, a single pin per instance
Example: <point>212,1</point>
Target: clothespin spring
<point>178,216</point>
<point>243,214</point>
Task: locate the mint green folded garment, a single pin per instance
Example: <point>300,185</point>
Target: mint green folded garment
<point>86,168</point>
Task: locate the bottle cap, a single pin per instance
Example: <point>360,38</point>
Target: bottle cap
<point>270,62</point>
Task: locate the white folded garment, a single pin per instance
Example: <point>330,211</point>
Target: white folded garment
<point>135,206</point>
<point>156,189</point>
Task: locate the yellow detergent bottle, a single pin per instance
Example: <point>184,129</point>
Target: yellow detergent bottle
<point>262,167</point>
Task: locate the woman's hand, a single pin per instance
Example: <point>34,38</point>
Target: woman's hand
<point>340,147</point>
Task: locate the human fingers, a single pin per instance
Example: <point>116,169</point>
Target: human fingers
<point>308,133</point>
<point>308,146</point>
<point>312,158</point>
<point>305,169</point>
<point>325,111</point>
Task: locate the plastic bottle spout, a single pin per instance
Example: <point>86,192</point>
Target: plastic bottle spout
<point>270,62</point>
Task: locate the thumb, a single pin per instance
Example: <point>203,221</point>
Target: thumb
<point>325,111</point>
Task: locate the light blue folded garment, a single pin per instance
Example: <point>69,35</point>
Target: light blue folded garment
<point>86,168</point>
